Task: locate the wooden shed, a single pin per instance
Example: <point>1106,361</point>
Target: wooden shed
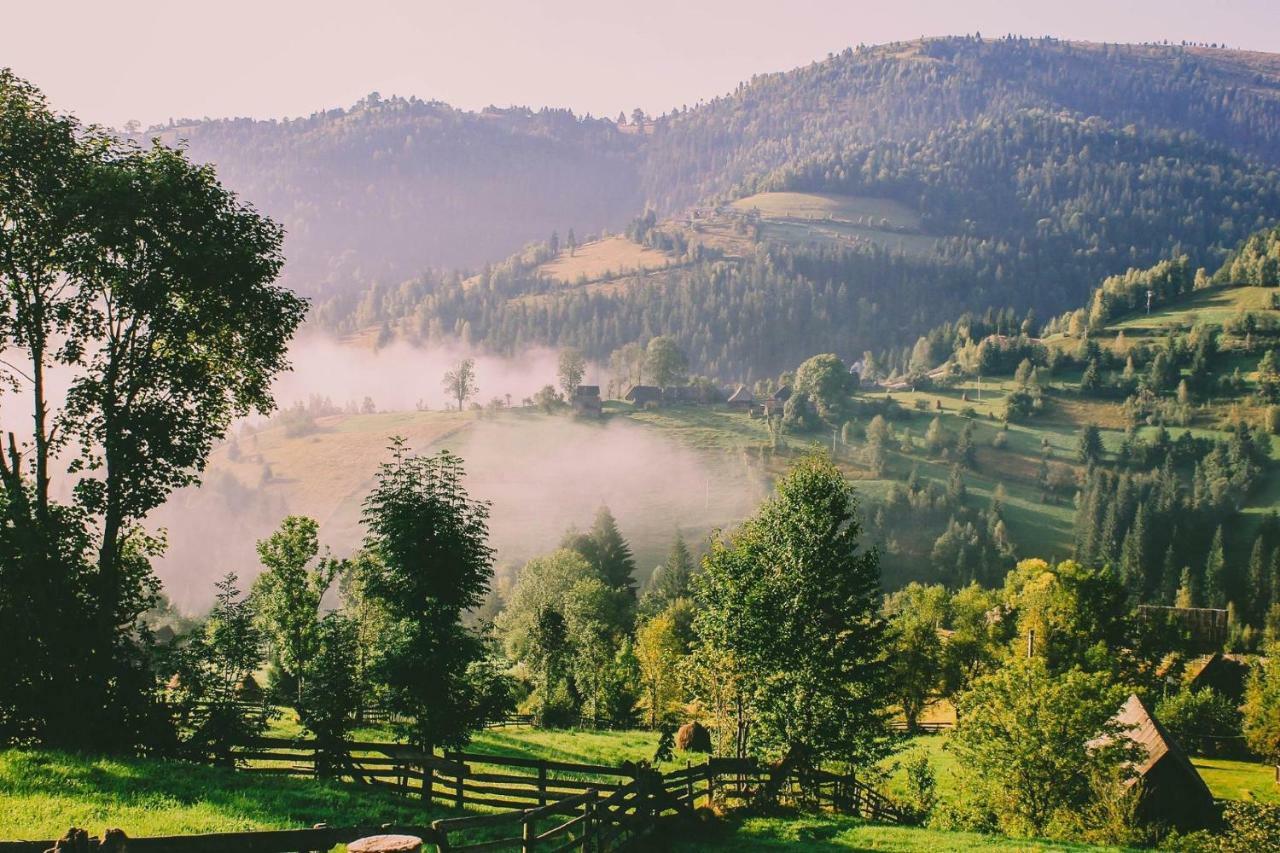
<point>1172,791</point>
<point>643,395</point>
<point>741,398</point>
<point>586,401</point>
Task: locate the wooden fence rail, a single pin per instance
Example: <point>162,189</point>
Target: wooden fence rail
<point>597,806</point>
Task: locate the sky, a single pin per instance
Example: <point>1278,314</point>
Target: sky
<point>151,61</point>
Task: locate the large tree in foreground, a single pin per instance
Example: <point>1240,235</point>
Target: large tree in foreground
<point>794,603</point>
<point>431,563</point>
<point>148,288</point>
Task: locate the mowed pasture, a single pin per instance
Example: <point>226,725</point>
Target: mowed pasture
<point>808,218</point>
<point>603,259</point>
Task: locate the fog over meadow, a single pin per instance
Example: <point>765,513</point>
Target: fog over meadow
<point>543,474</point>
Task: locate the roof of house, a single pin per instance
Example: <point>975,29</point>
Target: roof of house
<point>642,393</point>
<point>587,391</point>
<point>782,394</point>
<point>1157,745</point>
<point>742,394</point>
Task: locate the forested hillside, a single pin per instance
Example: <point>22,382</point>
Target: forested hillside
<point>1039,166</point>
<point>390,186</point>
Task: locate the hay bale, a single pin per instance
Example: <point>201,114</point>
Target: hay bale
<point>694,737</point>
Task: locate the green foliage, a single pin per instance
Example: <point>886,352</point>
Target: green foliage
<point>669,581</point>
<point>1028,743</point>
<point>792,602</point>
<point>286,597</point>
<point>1089,449</point>
<point>915,615</point>
<point>1262,708</point>
<point>606,551</point>
<point>328,689</point>
<point>148,286</point>
<point>827,382</point>
<point>922,784</point>
<point>571,369</point>
<point>1195,717</point>
<point>433,563</point>
<point>1071,616</point>
<point>460,382</point>
<point>665,362</point>
<point>210,673</point>
<point>566,624</point>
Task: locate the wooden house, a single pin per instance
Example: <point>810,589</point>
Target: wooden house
<point>1206,626</point>
<point>776,401</point>
<point>1172,791</point>
<point>643,395</point>
<point>1226,674</point>
<point>742,398</point>
<point>586,401</point>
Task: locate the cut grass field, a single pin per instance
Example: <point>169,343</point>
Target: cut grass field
<point>841,208</point>
<point>612,256</point>
<point>804,218</point>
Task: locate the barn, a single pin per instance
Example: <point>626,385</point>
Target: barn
<point>1172,791</point>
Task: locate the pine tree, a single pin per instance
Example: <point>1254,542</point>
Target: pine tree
<point>606,551</point>
<point>1089,450</point>
<point>1188,594</point>
<point>1169,576</point>
<point>1215,569</point>
<point>1132,560</point>
<point>671,579</point>
<point>1259,579</point>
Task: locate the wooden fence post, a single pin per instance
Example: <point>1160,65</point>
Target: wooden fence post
<point>589,823</point>
<point>688,785</point>
<point>542,782</point>
<point>428,782</point>
<point>529,838</point>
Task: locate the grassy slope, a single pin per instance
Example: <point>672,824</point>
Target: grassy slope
<point>610,257</point>
<point>42,793</point>
<point>838,835</point>
<point>1227,779</point>
<point>792,217</point>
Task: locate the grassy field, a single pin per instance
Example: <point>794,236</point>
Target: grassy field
<point>42,794</point>
<point>793,217</point>
<point>605,258</point>
<point>1227,779</point>
<point>840,208</point>
<point>839,835</point>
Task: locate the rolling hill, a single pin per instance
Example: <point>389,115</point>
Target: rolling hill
<point>1024,169</point>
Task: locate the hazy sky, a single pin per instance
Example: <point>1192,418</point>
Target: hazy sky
<point>150,60</point>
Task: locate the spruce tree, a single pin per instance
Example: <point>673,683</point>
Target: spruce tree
<point>1259,580</point>
<point>670,580</point>
<point>1089,450</point>
<point>607,552</point>
<point>1215,571</point>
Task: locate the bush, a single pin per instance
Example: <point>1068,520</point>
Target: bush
<point>922,784</point>
<point>1196,718</point>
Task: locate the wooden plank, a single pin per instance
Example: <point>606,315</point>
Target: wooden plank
<point>485,845</point>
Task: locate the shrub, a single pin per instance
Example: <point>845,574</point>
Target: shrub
<point>1197,717</point>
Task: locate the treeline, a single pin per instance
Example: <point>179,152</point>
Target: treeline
<point>1039,165</point>
<point>389,186</point>
<point>1028,208</point>
<point>907,91</point>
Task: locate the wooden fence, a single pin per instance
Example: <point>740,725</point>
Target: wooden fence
<point>596,807</point>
